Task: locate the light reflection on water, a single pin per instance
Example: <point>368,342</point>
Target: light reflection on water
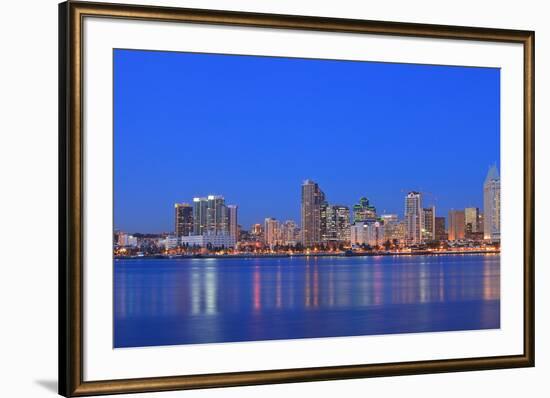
<point>182,301</point>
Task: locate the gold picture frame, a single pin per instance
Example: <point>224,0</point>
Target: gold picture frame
<point>71,239</point>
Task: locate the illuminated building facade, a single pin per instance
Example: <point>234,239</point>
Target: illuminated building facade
<point>288,233</point>
<point>428,223</point>
<point>271,232</point>
<point>473,223</point>
<point>335,225</point>
<point>232,220</point>
<point>213,240</point>
<point>183,219</point>
<point>440,231</point>
<point>491,205</point>
<point>367,233</point>
<point>456,225</point>
<point>363,211</point>
<point>413,217</point>
<point>200,207</point>
<point>210,215</point>
<point>216,219</point>
<point>312,199</point>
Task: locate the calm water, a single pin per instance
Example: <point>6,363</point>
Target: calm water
<point>187,301</point>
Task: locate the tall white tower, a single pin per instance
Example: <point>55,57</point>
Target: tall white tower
<point>491,205</point>
<point>413,217</point>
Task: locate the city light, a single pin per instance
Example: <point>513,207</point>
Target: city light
<point>209,226</point>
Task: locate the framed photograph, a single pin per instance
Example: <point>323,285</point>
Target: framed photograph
<point>252,199</point>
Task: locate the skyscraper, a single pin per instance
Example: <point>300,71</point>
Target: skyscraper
<point>183,219</point>
<point>216,219</point>
<point>428,223</point>
<point>210,215</point>
<point>413,217</point>
<point>312,198</point>
<point>271,231</point>
<point>363,211</point>
<point>287,233</point>
<point>471,218</point>
<point>335,225</point>
<point>440,233</point>
<point>232,212</point>
<point>491,205</point>
<point>473,223</point>
<point>456,224</point>
<point>200,207</point>
<point>391,227</point>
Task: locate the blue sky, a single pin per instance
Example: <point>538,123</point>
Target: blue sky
<point>253,128</point>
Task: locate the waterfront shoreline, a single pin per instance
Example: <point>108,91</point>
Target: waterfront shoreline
<point>285,255</point>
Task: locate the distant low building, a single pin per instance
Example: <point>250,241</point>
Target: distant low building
<point>125,240</point>
<point>219,240</point>
<point>170,242</point>
<point>257,230</point>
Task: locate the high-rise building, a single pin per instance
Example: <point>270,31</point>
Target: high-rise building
<point>391,227</point>
<point>210,215</point>
<point>428,223</point>
<point>312,199</point>
<point>287,233</point>
<point>357,234</point>
<point>183,219</point>
<point>363,211</point>
<point>440,232</point>
<point>473,227</point>
<point>271,231</point>
<point>480,224</point>
<point>217,214</point>
<point>335,225</point>
<point>413,217</point>
<point>324,215</point>
<point>456,225</point>
<point>491,205</point>
<point>232,219</point>
<point>395,232</point>
<point>200,208</point>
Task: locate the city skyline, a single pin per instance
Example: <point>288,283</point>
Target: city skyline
<point>322,222</point>
<point>212,225</point>
<point>492,178</point>
<point>374,116</point>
